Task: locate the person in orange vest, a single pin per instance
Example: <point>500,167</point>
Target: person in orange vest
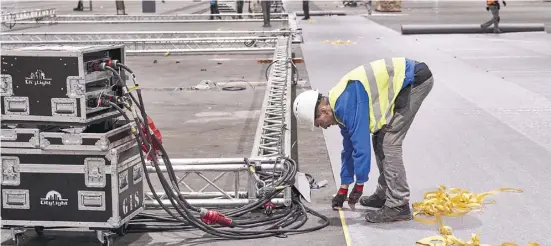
<point>493,5</point>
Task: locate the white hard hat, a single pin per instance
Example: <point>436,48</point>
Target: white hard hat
<point>304,107</point>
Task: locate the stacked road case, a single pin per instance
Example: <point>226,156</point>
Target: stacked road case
<point>65,163</point>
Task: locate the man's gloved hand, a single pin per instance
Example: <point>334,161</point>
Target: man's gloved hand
<point>339,199</point>
<point>487,8</point>
<point>504,3</point>
<point>355,195</point>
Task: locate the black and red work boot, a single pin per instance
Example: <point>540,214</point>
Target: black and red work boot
<point>388,214</point>
<point>373,201</point>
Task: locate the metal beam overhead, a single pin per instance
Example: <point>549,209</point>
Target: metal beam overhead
<point>174,46</point>
<point>93,36</point>
<point>28,15</point>
<point>130,19</point>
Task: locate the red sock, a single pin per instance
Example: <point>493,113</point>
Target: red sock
<point>359,188</point>
<point>343,191</point>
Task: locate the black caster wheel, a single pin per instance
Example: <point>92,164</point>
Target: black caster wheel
<point>121,231</point>
<point>39,230</point>
<point>18,240</point>
<point>108,241</point>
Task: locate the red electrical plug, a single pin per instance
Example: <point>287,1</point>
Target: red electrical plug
<point>154,133</point>
<point>269,208</point>
<point>210,217</point>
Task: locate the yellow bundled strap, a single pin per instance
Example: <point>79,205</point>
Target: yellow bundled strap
<point>452,203</point>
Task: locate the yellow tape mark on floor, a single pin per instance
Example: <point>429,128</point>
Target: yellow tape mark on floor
<point>344,228</point>
<point>339,42</point>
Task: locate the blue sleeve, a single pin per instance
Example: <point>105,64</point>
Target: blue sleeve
<point>356,120</point>
<point>347,163</point>
<point>410,73</point>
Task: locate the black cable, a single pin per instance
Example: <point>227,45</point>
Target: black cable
<point>295,216</point>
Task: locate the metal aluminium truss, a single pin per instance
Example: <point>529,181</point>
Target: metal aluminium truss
<point>225,8</point>
<point>273,140</point>
<point>273,134</point>
<point>172,45</point>
<point>202,181</point>
<point>93,36</point>
<point>28,15</point>
<point>129,19</point>
<point>295,30</point>
<point>10,19</point>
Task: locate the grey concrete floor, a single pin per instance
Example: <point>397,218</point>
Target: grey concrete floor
<point>484,126</point>
<point>466,12</point>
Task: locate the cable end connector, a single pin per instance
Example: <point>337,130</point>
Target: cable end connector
<point>269,208</point>
<point>109,63</point>
<point>269,191</point>
<point>101,101</point>
<point>211,217</point>
<point>155,133</point>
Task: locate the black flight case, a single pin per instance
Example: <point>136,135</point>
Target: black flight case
<point>66,163</point>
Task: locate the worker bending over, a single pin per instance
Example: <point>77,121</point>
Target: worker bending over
<point>493,6</point>
<point>380,98</point>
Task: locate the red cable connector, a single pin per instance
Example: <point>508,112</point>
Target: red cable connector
<point>210,217</point>
<point>269,207</point>
<point>110,63</point>
<point>154,133</point>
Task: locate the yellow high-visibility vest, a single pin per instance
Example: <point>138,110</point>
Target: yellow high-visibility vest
<point>382,80</point>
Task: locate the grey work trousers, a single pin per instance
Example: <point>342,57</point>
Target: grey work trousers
<point>495,18</point>
<point>387,144</point>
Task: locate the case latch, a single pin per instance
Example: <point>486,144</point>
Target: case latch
<point>10,171</point>
<point>91,200</point>
<point>123,181</point>
<point>137,173</point>
<point>103,144</point>
<point>6,88</point>
<point>71,139</point>
<point>76,86</point>
<point>64,107</point>
<point>94,171</point>
<point>16,105</point>
<point>8,135</point>
<point>15,199</point>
